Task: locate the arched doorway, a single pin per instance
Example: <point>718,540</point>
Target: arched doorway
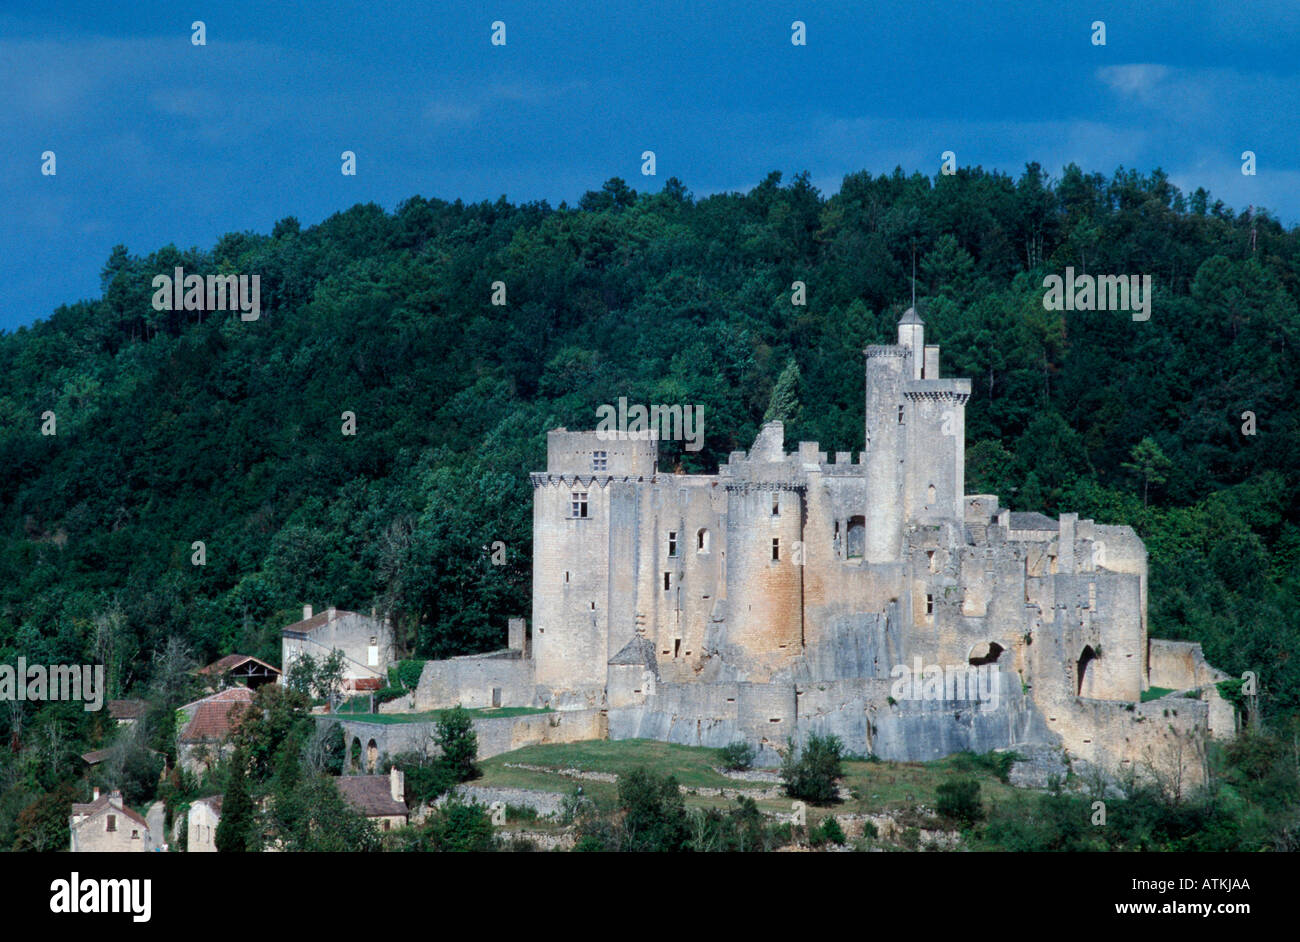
<point>1086,674</point>
<point>372,757</point>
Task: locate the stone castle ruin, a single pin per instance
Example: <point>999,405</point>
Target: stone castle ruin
<point>795,592</point>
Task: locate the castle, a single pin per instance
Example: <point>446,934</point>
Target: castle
<point>793,593</point>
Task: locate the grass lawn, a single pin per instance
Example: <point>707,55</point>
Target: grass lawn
<point>1155,693</point>
<point>876,786</point>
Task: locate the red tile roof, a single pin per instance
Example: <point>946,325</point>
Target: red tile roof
<point>215,716</point>
<point>102,804</point>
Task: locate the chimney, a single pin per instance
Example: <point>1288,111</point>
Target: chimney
<point>306,612</point>
<point>96,798</point>
<point>397,784</point>
<point>115,798</point>
<point>331,612</point>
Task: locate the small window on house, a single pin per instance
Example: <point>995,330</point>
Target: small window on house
<point>386,824</point>
<point>112,822</point>
<point>929,604</point>
<point>672,542</point>
<point>135,834</point>
<point>900,415</point>
<point>702,541</point>
<point>776,549</point>
<point>668,584</point>
<point>776,505</point>
<point>599,461</point>
<point>374,639</point>
<point>578,505</point>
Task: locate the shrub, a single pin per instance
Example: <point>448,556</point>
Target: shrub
<point>828,832</point>
<point>654,812</point>
<point>960,801</point>
<point>459,827</point>
<point>458,743</point>
<point>811,773</point>
<point>737,757</point>
<point>520,812</point>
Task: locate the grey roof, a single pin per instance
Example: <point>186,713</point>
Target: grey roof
<point>370,794</point>
<point>638,651</point>
<point>911,317</point>
<point>1033,521</point>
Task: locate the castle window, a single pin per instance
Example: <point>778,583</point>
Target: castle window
<point>702,541</point>
<point>776,549</point>
<point>668,581</point>
<point>776,505</point>
<point>900,415</point>
<point>929,557</point>
<point>857,537</point>
<point>929,604</point>
<point>985,653</point>
<point>599,461</point>
<point>566,577</point>
<point>677,646</point>
<point>578,505</point>
<point>672,542</point>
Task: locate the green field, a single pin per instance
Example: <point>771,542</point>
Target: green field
<point>876,787</point>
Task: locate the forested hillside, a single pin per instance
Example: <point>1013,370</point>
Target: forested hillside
<point>174,427</point>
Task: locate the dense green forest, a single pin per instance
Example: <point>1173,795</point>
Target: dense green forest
<point>174,427</point>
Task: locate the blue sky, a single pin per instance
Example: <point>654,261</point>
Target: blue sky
<point>159,141</point>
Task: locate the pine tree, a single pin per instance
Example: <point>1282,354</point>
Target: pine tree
<point>236,809</point>
<point>1149,463</point>
<point>784,405</point>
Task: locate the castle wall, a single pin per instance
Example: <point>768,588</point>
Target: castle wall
<point>503,679</point>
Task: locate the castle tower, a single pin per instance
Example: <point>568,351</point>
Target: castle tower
<point>911,334</point>
<point>888,368</point>
<point>585,525</point>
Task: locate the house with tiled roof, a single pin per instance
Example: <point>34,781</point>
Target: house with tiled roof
<point>205,727</point>
<point>105,824</point>
<point>381,798</point>
<point>366,643</point>
<point>239,670</point>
